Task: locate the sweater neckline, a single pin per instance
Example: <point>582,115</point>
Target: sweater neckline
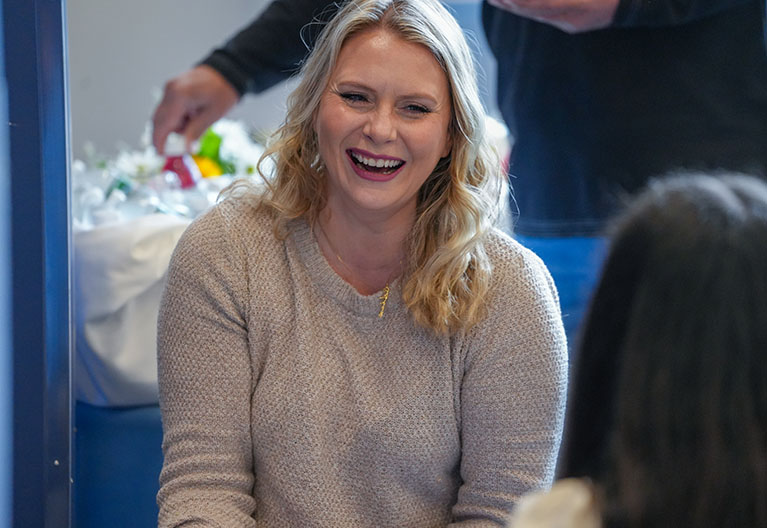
<point>329,283</point>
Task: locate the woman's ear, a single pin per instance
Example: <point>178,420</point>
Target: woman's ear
<point>448,148</point>
<point>448,144</point>
<point>451,128</point>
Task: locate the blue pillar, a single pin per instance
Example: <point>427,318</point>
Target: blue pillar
<point>35,70</point>
<point>6,402</point>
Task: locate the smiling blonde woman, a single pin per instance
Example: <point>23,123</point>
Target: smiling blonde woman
<point>354,343</point>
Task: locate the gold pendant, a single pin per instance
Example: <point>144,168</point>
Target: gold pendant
<point>383,298</point>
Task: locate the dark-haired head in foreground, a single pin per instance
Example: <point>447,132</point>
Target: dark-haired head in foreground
<point>668,406</point>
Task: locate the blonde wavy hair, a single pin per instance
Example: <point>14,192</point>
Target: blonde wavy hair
<point>447,274</point>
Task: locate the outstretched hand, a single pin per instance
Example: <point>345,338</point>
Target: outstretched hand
<point>191,103</point>
<point>571,16</point>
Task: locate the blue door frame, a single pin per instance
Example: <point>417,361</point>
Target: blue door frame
<point>38,183</point>
<point>6,391</point>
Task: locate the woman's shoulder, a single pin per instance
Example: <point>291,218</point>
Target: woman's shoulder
<point>502,247</point>
<point>570,503</point>
<point>514,265</point>
<point>234,226</point>
<point>238,216</point>
<point>523,299</point>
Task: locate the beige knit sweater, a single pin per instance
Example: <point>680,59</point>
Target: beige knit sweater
<point>287,402</point>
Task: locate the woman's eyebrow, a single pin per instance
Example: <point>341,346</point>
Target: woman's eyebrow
<point>357,85</point>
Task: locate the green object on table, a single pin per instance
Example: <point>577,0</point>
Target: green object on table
<point>210,147</point>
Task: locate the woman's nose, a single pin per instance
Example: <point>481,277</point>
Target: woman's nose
<point>380,126</point>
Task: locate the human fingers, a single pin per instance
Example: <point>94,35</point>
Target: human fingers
<point>169,116</point>
<point>198,124</point>
<point>567,15</point>
<point>221,97</point>
<point>501,4</point>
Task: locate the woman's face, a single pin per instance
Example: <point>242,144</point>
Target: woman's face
<point>382,123</point>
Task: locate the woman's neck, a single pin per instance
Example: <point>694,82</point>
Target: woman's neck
<point>368,255</point>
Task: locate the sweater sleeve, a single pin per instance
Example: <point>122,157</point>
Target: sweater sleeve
<point>205,382</point>
<point>513,394</point>
<point>658,13</point>
<point>270,48</point>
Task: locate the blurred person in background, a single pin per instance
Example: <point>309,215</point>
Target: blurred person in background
<point>667,414</point>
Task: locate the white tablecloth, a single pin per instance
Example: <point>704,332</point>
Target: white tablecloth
<point>119,274</point>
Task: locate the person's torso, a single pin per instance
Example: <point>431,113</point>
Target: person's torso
<point>354,417</point>
<point>594,115</point>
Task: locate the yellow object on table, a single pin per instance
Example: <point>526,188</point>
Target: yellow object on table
<point>208,167</point>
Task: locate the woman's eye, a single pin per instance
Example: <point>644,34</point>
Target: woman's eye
<point>417,109</point>
<point>353,97</point>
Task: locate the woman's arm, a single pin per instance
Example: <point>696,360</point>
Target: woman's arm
<point>270,48</point>
<point>205,382</point>
<point>259,56</point>
<point>577,16</point>
<point>513,394</point>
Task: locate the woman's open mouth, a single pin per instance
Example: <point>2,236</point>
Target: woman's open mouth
<point>375,168</point>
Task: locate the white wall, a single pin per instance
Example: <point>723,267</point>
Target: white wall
<point>121,52</point>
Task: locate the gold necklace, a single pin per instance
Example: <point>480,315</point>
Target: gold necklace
<point>384,293</point>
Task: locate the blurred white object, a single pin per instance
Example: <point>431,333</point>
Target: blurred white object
<point>570,503</point>
<point>119,277</point>
<point>501,141</point>
<point>499,137</point>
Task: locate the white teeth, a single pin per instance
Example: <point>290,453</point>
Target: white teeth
<point>379,163</point>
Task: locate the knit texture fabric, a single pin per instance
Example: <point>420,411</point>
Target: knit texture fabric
<point>287,402</point>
